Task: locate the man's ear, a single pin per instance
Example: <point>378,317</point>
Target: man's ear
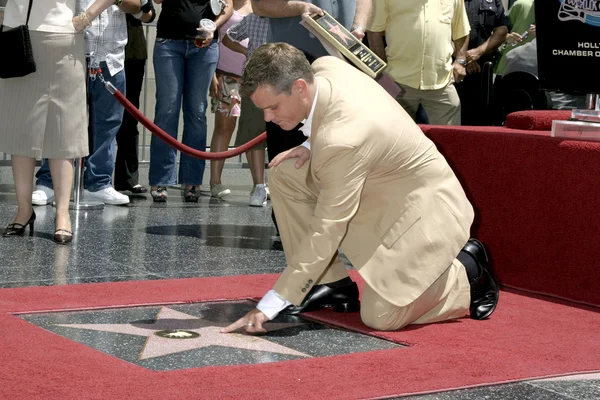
<point>301,87</point>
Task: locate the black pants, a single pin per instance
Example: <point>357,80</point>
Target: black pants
<point>126,163</point>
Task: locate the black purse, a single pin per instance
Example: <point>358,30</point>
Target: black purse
<point>15,47</point>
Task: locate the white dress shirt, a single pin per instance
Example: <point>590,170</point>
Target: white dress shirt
<point>272,303</point>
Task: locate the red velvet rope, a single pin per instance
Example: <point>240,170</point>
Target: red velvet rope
<point>137,114</point>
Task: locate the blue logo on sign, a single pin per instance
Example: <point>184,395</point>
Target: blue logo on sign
<point>586,11</point>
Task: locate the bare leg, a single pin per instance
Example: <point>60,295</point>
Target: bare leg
<point>23,168</point>
<point>256,161</point>
<point>224,127</point>
<point>62,179</point>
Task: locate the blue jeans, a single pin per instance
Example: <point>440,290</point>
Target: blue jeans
<point>105,117</point>
<point>182,71</point>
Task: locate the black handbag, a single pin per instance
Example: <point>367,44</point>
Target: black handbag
<point>15,47</point>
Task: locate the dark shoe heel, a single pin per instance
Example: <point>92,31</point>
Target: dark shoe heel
<point>16,229</point>
<point>347,307</point>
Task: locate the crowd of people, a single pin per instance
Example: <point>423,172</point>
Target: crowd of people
<point>444,86</point>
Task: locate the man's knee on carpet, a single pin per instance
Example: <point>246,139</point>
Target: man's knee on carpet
<point>389,320</point>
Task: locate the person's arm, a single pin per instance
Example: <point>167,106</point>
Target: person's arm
<point>283,8</point>
<point>361,18</point>
<point>492,43</point>
<point>225,14</point>
<point>377,44</point>
<point>377,27</point>
<point>147,12</point>
<point>85,18</point>
<point>130,6</point>
<point>459,65</point>
<point>234,46</point>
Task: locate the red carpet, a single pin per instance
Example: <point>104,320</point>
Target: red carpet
<point>526,338</point>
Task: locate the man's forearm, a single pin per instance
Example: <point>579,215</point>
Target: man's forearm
<point>496,40</point>
<point>278,8</point>
<point>376,44</point>
<point>460,48</point>
<point>363,13</point>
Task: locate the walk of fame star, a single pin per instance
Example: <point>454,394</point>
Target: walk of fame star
<point>208,335</point>
<point>341,35</point>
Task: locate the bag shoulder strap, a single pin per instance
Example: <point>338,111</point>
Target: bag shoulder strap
<point>28,15</point>
<point>29,12</point>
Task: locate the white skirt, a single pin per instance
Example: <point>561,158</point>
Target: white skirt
<point>44,114</point>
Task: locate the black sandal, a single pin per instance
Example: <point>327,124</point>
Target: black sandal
<point>190,195</point>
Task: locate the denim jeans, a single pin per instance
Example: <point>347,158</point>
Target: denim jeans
<point>105,117</point>
<point>183,72</point>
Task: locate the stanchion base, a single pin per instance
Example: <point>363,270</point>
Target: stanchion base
<point>87,205</point>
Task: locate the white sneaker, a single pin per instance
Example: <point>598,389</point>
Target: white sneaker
<point>42,195</point>
<point>108,196</point>
<point>258,196</point>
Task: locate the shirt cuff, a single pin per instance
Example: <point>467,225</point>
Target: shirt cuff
<point>306,144</point>
<point>271,304</point>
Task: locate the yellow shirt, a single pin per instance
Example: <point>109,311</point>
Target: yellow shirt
<point>419,39</point>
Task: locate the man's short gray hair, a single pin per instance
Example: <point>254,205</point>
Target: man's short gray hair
<point>278,65</point>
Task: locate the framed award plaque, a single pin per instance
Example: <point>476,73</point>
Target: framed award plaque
<point>337,39</point>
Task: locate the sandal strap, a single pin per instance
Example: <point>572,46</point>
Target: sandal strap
<point>15,224</point>
<point>63,230</point>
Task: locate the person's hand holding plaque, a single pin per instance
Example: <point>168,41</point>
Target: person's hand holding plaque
<point>309,9</point>
<point>358,32</point>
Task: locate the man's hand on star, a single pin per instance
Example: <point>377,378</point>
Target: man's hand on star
<point>299,152</point>
<point>251,322</point>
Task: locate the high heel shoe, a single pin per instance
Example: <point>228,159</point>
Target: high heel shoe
<point>63,236</point>
<point>17,229</point>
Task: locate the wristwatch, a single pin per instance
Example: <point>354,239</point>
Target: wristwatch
<point>461,61</point>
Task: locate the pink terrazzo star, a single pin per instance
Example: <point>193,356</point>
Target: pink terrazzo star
<point>336,30</point>
<point>157,346</point>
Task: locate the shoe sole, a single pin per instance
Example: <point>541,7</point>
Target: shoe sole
<point>258,205</point>
<point>41,203</point>
<point>120,203</point>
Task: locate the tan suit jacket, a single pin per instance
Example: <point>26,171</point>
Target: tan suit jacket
<point>387,197</point>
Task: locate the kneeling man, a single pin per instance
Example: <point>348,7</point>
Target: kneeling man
<point>369,182</point>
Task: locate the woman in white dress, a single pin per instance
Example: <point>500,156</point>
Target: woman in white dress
<point>44,114</point>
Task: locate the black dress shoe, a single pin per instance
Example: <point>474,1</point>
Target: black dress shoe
<point>17,229</point>
<point>484,288</point>
<point>341,295</point>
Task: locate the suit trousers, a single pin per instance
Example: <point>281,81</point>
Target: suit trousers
<point>294,196</point>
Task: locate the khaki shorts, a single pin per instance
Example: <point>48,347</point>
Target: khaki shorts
<point>252,123</point>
